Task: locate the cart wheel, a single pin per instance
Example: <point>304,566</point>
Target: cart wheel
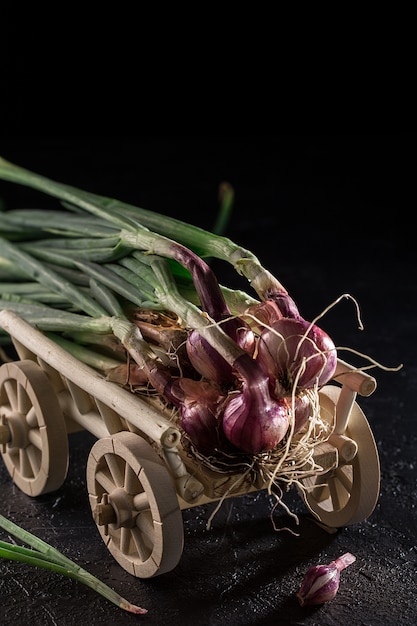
<point>135,505</point>
<point>33,436</point>
<point>348,493</point>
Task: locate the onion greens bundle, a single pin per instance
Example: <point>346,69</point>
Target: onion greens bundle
<point>136,288</point>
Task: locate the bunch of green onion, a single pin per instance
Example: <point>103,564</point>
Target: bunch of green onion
<point>132,292</point>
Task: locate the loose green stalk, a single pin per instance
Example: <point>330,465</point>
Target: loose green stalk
<point>46,556</point>
<point>226,198</point>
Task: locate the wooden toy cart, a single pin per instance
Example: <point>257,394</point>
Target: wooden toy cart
<point>139,477</point>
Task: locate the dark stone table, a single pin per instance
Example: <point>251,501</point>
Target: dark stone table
<point>328,215</point>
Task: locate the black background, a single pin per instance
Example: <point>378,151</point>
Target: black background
<point>328,215</point>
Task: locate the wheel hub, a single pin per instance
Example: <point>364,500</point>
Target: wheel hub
<point>14,430</point>
<point>115,508</point>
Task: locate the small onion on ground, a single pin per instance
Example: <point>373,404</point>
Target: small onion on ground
<point>321,582</point>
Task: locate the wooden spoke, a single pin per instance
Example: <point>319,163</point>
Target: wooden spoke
<point>34,456</point>
<point>130,480</point>
<point>115,465</point>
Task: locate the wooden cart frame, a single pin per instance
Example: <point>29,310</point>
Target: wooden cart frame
<point>138,478</point>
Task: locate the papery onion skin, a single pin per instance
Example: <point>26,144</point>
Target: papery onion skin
<point>285,304</point>
<point>326,579</point>
<point>300,409</point>
<point>254,431</point>
<point>208,362</point>
<point>202,427</point>
<point>125,374</point>
<point>290,358</point>
<point>321,582</point>
<point>263,314</point>
<point>200,403</point>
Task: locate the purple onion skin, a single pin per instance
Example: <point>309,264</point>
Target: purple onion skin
<point>301,411</point>
<point>289,358</point>
<point>253,421</point>
<point>321,582</point>
<point>208,362</point>
<point>285,304</point>
<point>200,404</point>
<point>263,314</point>
<point>203,428</point>
<point>253,428</point>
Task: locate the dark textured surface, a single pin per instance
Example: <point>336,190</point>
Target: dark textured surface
<point>328,215</point>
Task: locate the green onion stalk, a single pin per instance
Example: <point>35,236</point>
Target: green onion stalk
<point>42,554</point>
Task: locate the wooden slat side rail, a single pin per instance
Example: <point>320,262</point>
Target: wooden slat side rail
<point>139,413</point>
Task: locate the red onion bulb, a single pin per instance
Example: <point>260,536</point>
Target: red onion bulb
<point>291,355</point>
<point>199,413</point>
<point>254,426</point>
<point>208,362</point>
